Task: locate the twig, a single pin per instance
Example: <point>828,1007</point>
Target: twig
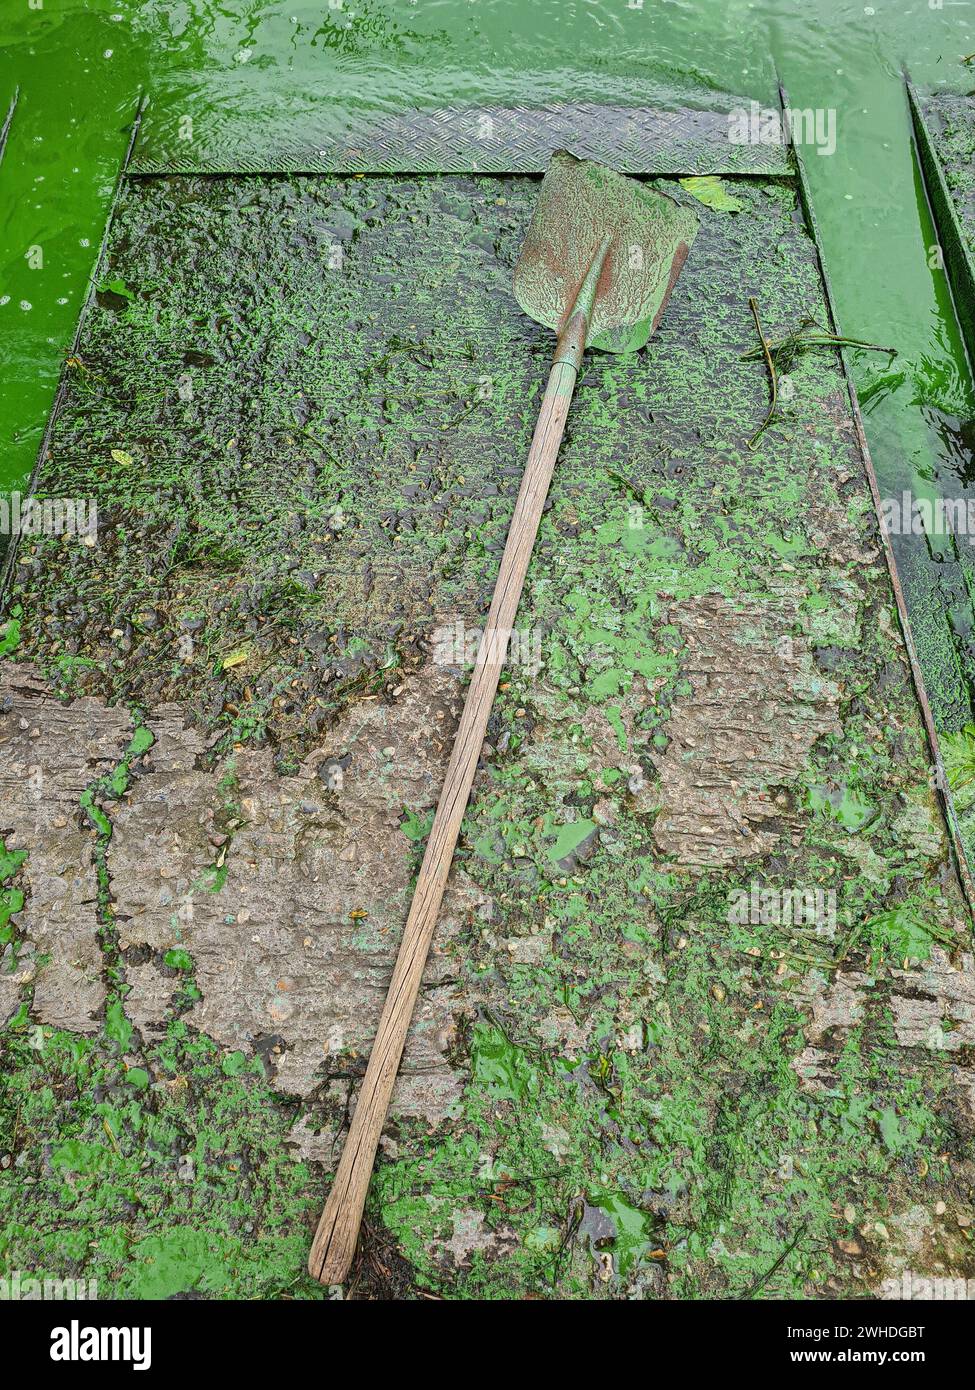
<point>823,962</point>
<point>753,305</point>
<point>820,338</point>
<point>573,1222</point>
<point>763,1279</point>
<point>810,334</point>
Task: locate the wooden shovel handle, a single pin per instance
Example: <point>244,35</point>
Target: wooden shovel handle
<point>338,1229</point>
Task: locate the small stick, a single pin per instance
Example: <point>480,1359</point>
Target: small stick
<point>763,1279</point>
<point>753,305</point>
<point>819,338</point>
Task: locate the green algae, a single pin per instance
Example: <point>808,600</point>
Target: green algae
<point>120,1195</point>
<point>439,527</point>
<point>945,132</point>
<point>844,805</point>
<point>633,1230</point>
<point>173,1263</point>
<point>721,1163</point>
<point>218,97</point>
<point>958,752</point>
<point>94,800</point>
<point>178,959</point>
<point>497,1065</point>
<point>742,1195</point>
<point>214,98</point>
<point>11,902</point>
<point>724,1218</point>
<point>117,1026</point>
<point>10,632</point>
<point>565,839</point>
<point>904,932</point>
<point>416,827</point>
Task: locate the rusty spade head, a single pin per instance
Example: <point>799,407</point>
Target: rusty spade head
<point>600,258</point>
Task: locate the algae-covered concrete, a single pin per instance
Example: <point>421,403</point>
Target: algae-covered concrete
<point>949,131</point>
<point>944,126</point>
<point>699,1018</point>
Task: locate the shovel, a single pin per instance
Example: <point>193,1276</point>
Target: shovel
<point>599,261</point>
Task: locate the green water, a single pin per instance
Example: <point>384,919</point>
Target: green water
<point>233,79</point>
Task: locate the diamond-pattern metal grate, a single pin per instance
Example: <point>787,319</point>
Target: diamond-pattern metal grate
<point>500,140</point>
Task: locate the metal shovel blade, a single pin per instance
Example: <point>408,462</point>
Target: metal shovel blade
<point>586,211</point>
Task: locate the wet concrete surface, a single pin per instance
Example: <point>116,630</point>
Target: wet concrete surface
<point>620,1080</point>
